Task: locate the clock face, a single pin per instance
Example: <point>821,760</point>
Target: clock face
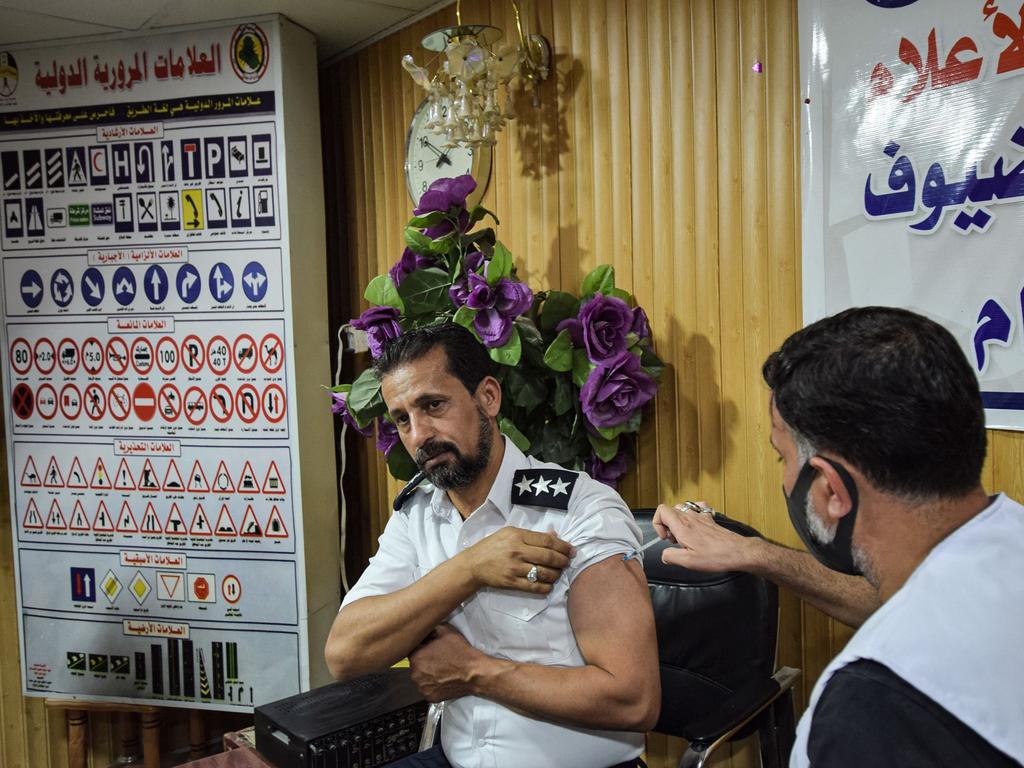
<point>426,160</point>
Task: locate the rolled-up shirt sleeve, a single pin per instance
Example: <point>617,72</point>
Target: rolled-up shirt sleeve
<point>393,567</point>
<point>599,525</point>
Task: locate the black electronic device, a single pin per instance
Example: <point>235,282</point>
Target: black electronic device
<point>367,722</point>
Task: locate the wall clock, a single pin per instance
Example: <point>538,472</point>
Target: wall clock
<point>426,160</point>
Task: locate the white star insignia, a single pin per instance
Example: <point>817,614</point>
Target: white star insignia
<point>524,485</point>
<point>559,487</point>
<point>541,486</point>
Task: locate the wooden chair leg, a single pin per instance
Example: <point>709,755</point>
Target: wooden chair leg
<point>151,740</point>
<point>196,734</point>
<point>129,725</point>
<point>78,738</point>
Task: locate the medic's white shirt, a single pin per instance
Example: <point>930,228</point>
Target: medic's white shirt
<point>509,624</point>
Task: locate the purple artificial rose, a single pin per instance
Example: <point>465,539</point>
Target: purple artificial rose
<point>607,472</point>
<point>381,325</point>
<point>605,322</point>
<point>459,290</point>
<point>496,307</point>
<point>641,327</point>
<point>387,435</point>
<point>408,264</point>
<point>444,194</point>
<point>614,390</point>
<point>339,407</point>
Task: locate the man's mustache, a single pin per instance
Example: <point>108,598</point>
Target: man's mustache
<point>432,448</point>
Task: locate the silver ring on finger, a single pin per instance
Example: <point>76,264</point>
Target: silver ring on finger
<point>533,575</point>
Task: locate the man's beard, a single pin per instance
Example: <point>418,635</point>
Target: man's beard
<point>823,534</point>
<point>460,471</point>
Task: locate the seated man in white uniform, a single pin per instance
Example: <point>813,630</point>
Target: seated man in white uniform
<point>878,420</point>
<point>503,581</point>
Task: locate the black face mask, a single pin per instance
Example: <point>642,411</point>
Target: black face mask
<point>838,554</point>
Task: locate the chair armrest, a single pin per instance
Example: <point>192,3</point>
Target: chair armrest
<point>738,710</point>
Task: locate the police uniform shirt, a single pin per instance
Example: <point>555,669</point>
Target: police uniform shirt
<point>511,624</point>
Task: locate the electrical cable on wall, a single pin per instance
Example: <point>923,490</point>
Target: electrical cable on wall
<point>341,452</point>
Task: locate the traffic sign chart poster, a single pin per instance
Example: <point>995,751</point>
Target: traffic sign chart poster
<point>147,377</point>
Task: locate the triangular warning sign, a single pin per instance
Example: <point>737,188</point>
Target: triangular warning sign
<point>250,525</point>
<point>76,477</point>
<point>52,477</point>
<point>79,522</point>
<point>170,584</point>
<point>275,525</point>
<point>102,521</point>
<point>273,485</point>
<point>197,480</point>
<point>172,478</point>
<point>147,480</point>
<point>123,479</point>
<point>126,520</point>
<point>222,480</point>
<point>225,525</point>
<point>55,520</point>
<point>200,523</point>
<point>100,478</point>
<point>247,480</point>
<point>175,522</point>
<point>32,520</point>
<point>150,522</point>
<point>30,475</point>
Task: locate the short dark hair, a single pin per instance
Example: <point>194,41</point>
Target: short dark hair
<point>891,392</point>
<point>468,361</point>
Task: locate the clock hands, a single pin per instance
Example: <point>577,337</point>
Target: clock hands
<point>442,157</point>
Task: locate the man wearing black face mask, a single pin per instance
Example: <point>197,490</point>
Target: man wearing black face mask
<point>877,418</point>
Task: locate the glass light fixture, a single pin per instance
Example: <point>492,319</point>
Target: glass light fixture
<point>468,91</point>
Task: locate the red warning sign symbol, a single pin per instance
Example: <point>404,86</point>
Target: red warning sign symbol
<point>123,478</point>
<point>67,356</point>
<point>102,521</point>
<point>169,587</point>
<point>76,476</point>
<point>250,525</point>
<point>119,402</point>
<point>95,401</point>
<point>21,356</point>
<point>193,353</point>
<point>231,588</point>
<point>117,355</point>
<point>55,520</point>
<point>273,403</point>
<point>92,356</point>
<point>273,485</point>
<point>144,399</point>
<point>147,480</point>
<point>79,521</point>
<point>275,525</point>
<point>225,524</point>
<point>172,478</point>
<point>271,353</point>
<point>221,403</point>
<point>247,403</point>
<point>142,355</point>
<point>150,522</point>
<point>22,402</point>
<point>167,355</point>
<point>175,522</point>
<point>247,480</point>
<point>244,353</point>
<point>218,353</point>
<point>32,520</point>
<point>195,405</point>
<point>168,402</point>
<point>197,482</point>
<point>200,589</point>
<point>46,401</point>
<point>70,401</point>
<point>200,523</point>
<point>222,480</point>
<point>46,356</point>
<point>30,475</point>
<point>53,477</point>
<point>126,520</point>
<point>100,479</point>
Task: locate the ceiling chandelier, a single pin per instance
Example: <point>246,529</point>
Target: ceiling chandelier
<point>468,92</point>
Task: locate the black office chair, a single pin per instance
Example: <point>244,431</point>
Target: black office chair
<point>717,640</point>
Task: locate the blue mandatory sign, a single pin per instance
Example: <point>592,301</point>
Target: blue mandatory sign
<point>222,282</point>
<point>254,281</point>
<point>188,283</point>
<point>83,585</point>
<point>155,284</point>
<point>93,286</point>
<point>124,286</point>
<point>31,288</point>
<point>62,287</point>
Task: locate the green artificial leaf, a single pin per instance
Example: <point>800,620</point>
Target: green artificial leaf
<point>521,441</point>
<point>626,296</point>
<point>601,279</point>
<point>464,317</point>
<point>364,399</point>
<point>426,220</point>
<point>581,367</point>
<point>558,356</point>
<point>339,388</point>
<point>418,242</point>
<point>444,245</point>
<point>527,391</point>
<point>605,449</point>
<point>630,425</point>
<point>425,291</point>
<point>400,464</point>
<point>561,443</point>
<point>381,292</point>
<point>482,240</point>
<point>558,306</point>
<point>650,363</point>
<point>478,213</point>
<point>510,352</point>
<point>565,395</point>
<point>500,265</point>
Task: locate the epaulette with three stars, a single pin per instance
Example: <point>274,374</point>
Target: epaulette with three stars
<point>550,488</point>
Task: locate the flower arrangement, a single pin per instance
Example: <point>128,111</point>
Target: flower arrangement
<point>576,372</point>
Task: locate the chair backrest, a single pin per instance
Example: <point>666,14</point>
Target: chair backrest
<point>716,631</point>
